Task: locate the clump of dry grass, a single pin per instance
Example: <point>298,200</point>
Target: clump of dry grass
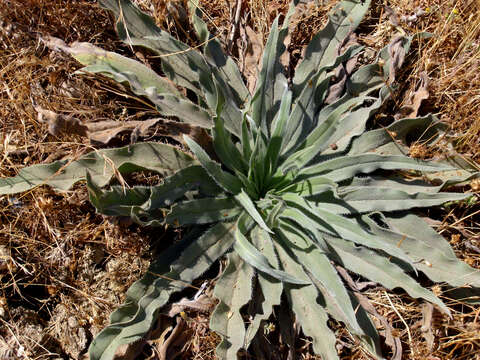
<point>450,59</point>
<point>63,268</point>
<point>453,58</point>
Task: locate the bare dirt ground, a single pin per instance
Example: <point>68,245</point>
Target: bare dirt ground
<point>63,268</point>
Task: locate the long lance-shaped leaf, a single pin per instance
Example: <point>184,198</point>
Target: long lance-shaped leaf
<point>396,182</point>
<point>331,116</point>
<point>226,149</point>
<point>335,130</point>
<point>323,48</point>
<point>363,82</point>
<point>271,80</point>
<point>142,80</point>
<point>303,116</point>
<point>183,65</point>
<point>255,258</point>
<point>346,167</point>
<point>317,264</point>
<point>270,290</point>
<point>115,66</point>
<point>247,138</point>
<point>465,171</point>
<point>225,76</point>
<point>178,267</point>
<point>357,188</point>
<point>246,202</point>
<point>184,110</point>
<point>368,334</point>
<point>390,195</point>
<point>349,230</point>
<point>203,211</point>
<point>145,204</point>
<point>338,135</point>
<point>331,202</point>
<point>368,199</point>
<point>344,227</point>
<point>233,289</point>
<point>227,72</point>
<point>311,315</point>
<point>423,129</point>
<point>305,113</point>
<point>256,171</point>
<point>430,252</point>
<point>278,134</point>
<point>312,186</point>
<point>224,179</point>
<point>102,166</point>
<point>166,104</point>
<point>317,140</point>
<point>371,77</point>
<point>180,63</point>
<point>306,224</point>
<point>378,268</point>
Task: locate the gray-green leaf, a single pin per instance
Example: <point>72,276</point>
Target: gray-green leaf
<point>323,48</point>
<point>203,211</point>
<point>179,266</point>
<point>102,166</point>
<point>233,289</point>
<point>311,315</point>
<point>255,258</point>
<point>377,268</point>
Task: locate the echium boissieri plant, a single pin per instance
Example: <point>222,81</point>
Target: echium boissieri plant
<point>296,188</point>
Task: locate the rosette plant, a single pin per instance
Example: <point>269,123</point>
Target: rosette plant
<point>294,190</point>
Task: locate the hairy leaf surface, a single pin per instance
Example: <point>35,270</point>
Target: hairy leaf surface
<point>102,166</point>
<point>179,266</point>
<point>233,289</point>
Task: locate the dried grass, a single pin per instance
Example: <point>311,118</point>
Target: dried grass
<point>63,268</point>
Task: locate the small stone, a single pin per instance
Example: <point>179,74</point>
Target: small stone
<point>4,259</point>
